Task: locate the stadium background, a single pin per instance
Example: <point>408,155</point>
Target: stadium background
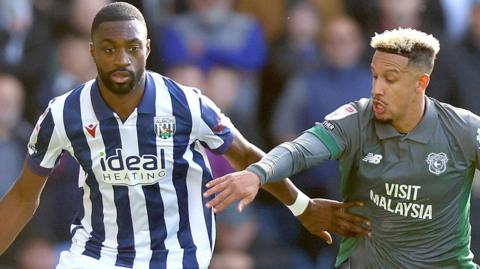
<point>273,66</point>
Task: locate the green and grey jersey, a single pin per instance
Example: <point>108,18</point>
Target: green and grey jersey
<point>416,186</point>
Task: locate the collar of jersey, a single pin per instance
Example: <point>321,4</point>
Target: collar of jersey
<point>146,106</point>
<point>422,133</point>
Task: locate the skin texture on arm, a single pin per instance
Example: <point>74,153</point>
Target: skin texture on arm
<point>19,205</point>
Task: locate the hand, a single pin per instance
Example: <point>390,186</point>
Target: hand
<point>323,216</point>
<point>241,186</point>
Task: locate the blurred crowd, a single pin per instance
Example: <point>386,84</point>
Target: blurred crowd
<point>275,67</point>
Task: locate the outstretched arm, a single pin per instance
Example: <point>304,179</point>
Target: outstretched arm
<point>319,214</point>
<point>18,206</point>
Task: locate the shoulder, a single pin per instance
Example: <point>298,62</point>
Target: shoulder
<point>454,116</point>
<point>354,110</point>
<point>57,104</point>
<point>173,87</point>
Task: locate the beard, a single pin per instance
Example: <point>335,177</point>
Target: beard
<point>383,121</point>
<point>121,88</point>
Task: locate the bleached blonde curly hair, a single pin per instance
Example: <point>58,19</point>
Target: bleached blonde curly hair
<point>420,48</point>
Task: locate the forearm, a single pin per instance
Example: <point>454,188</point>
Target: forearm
<point>19,213</point>
<point>290,158</point>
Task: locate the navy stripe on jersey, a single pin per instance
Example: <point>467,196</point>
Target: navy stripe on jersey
<point>206,177</point>
<point>80,214</point>
<point>212,119</point>
<point>113,144</point>
<point>183,118</point>
<point>153,199</point>
<point>72,119</point>
<point>43,140</point>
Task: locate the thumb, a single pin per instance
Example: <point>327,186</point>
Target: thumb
<point>326,236</point>
<point>243,203</point>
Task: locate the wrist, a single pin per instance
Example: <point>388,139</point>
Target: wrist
<point>258,171</point>
<point>300,204</point>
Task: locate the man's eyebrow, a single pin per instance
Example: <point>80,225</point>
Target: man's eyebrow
<point>129,41</point>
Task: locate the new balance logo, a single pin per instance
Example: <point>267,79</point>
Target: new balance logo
<point>372,158</point>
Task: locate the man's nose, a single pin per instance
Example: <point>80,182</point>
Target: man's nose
<point>122,58</point>
<point>377,87</point>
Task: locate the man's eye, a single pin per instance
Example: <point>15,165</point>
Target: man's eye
<point>109,50</point>
<point>134,48</point>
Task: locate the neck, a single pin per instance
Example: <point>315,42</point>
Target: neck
<point>123,104</point>
<point>412,118</point>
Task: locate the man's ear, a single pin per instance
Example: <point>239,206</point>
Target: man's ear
<point>92,51</point>
<point>422,82</point>
<point>148,47</point>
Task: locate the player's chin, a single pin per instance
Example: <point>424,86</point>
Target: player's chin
<point>122,88</point>
<point>382,118</point>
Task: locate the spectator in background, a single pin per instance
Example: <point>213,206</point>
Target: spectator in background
<point>296,51</point>
<point>73,65</point>
<point>13,130</point>
<point>456,14</point>
<point>379,15</point>
<point>212,45</point>
<point>311,95</point>
<point>24,35</point>
<point>458,74</point>
<point>82,14</point>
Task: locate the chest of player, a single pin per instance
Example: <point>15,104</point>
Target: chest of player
<point>140,150</point>
<point>399,174</point>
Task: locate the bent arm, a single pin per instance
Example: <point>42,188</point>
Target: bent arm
<point>19,205</point>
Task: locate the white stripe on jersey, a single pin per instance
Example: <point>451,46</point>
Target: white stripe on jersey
<point>194,187</point>
<point>167,189</point>
<point>138,208</point>
<point>109,251</point>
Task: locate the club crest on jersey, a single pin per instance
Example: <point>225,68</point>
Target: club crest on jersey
<point>437,163</point>
<point>164,127</point>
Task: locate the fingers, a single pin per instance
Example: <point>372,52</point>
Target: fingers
<point>219,198</point>
<point>346,204</point>
<point>353,218</point>
<point>326,236</point>
<point>349,229</point>
<point>244,202</point>
<point>220,206</point>
<point>215,186</point>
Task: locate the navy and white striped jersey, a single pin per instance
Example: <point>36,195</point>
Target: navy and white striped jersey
<point>141,180</point>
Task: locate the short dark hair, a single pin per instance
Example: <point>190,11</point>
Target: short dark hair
<point>119,11</point>
<point>420,48</point>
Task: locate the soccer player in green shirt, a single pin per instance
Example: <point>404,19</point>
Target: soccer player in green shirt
<point>410,158</point>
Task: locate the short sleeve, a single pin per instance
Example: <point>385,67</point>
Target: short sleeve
<point>473,126</point>
<point>215,130</point>
<point>44,147</point>
<point>337,131</point>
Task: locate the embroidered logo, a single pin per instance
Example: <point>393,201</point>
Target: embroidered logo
<point>164,127</point>
<point>372,158</point>
<point>437,163</point>
<point>91,129</point>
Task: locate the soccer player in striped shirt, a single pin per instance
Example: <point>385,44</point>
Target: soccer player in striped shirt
<point>140,140</point>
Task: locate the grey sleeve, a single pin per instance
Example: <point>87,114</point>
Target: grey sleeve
<point>290,158</point>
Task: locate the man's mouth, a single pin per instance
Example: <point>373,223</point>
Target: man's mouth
<point>378,106</point>
<point>121,77</point>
